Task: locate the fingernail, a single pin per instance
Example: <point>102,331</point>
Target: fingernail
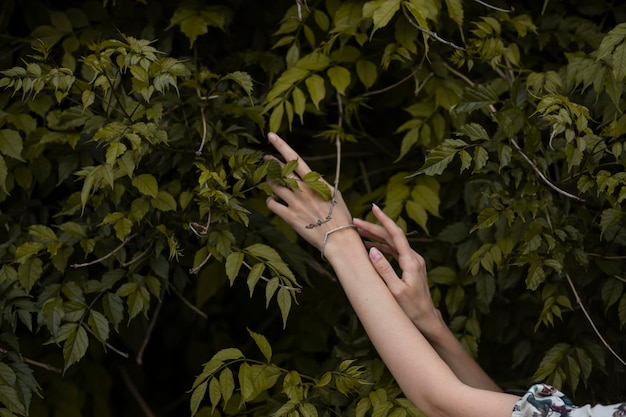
<point>374,206</point>
<point>272,136</point>
<point>375,254</point>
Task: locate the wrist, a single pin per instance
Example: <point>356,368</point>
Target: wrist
<point>434,328</point>
<point>341,244</point>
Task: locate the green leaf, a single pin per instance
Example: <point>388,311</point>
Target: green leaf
<point>197,396</point>
<point>243,79</point>
<point>299,102</point>
<point>227,384</point>
<point>147,185</point>
<point>255,274</point>
<point>233,265</point>
<point>367,72</point>
<point>317,89</point>
<point>262,344</point>
<point>88,97</point>
<point>99,325</point>
<point>455,11</point>
<point>75,346</point>
<point>11,144</point>
<point>164,202</point>
<point>3,175</point>
<point>439,158</point>
<point>26,250</point>
<point>215,392</point>
<point>381,12</point>
<point>270,289</point>
<point>29,273</point>
<point>619,63</point>
<point>339,78</point>
<point>113,308</point>
<point>276,118</point>
<point>417,213</point>
<point>9,398</point>
<point>114,151</point>
<point>284,303</point>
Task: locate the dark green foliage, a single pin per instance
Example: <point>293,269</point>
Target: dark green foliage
<point>137,250</point>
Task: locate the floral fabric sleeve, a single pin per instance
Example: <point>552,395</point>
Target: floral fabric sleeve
<point>542,400</point>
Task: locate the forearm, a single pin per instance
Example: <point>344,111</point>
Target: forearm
<point>458,358</point>
<point>421,373</point>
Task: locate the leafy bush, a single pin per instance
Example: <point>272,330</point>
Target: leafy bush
<point>136,245</point>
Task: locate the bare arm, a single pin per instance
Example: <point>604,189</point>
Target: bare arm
<point>412,293</point>
<point>421,373</point>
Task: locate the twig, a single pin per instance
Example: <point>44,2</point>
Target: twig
<point>188,304</point>
<point>203,229</point>
<point>42,365</point>
<point>430,32</point>
<point>105,257</point>
<point>135,259</point>
<point>136,394</point>
<point>119,352</point>
<point>203,117</point>
<point>419,87</point>
<point>153,320</point>
<point>337,170</point>
<point>608,258</point>
<point>382,90</point>
<point>543,177</point>
<point>619,278</point>
<point>197,269</point>
<point>595,329</point>
<point>294,289</point>
<point>511,10</point>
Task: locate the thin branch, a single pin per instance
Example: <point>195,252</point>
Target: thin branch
<point>188,304</point>
<point>430,32</point>
<point>153,320</point>
<point>294,289</point>
<point>135,259</point>
<point>203,229</point>
<point>619,278</point>
<point>511,10</point>
<point>419,86</point>
<point>382,90</point>
<point>337,170</point>
<point>136,394</point>
<point>593,325</point>
<point>608,258</point>
<point>204,130</point>
<point>543,177</point>
<point>105,257</point>
<point>42,365</point>
<point>366,178</point>
<point>197,269</point>
<point>119,352</point>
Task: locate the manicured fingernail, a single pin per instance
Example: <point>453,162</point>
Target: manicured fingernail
<point>374,206</point>
<point>375,254</point>
<point>272,136</point>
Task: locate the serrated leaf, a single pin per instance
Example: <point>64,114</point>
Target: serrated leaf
<point>146,184</point>
<point>317,89</point>
<point>255,274</point>
<point>113,308</point>
<point>619,62</point>
<point>164,202</point>
<point>284,303</point>
<point>455,11</point>
<point>99,325</point>
<point>29,273</point>
<point>215,392</point>
<point>227,384</point>
<point>233,265</point>
<point>262,344</point>
<point>417,213</point>
<point>270,289</point>
<point>339,78</point>
<point>367,72</point>
<point>88,97</point>
<point>11,144</point>
<point>197,396</point>
<point>42,232</point>
<point>27,250</point>
<point>381,12</point>
<point>276,118</point>
<point>75,347</point>
<point>299,102</point>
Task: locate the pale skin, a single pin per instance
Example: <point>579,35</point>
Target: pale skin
<point>433,370</point>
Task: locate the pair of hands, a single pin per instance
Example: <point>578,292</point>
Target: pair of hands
<point>301,207</point>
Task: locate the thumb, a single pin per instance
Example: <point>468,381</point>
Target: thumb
<point>383,267</point>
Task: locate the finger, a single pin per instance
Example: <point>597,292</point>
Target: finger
<point>372,231</point>
<point>384,269</point>
<point>277,208</point>
<point>396,234</point>
<point>387,250</point>
<point>282,192</point>
<point>288,153</point>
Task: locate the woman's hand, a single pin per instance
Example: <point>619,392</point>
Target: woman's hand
<point>411,291</point>
<point>303,207</point>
